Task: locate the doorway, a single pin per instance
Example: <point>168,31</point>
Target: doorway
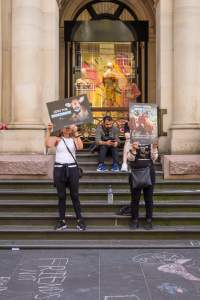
<point>95,48</point>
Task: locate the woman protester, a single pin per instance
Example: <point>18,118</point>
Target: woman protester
<point>141,157</point>
<point>66,173</point>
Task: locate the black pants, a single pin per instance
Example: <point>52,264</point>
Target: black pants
<point>135,200</point>
<point>104,150</point>
<point>65,176</point>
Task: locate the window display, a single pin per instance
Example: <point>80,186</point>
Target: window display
<point>106,73</point>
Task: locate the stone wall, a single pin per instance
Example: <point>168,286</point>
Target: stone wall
<point>181,166</point>
<point>26,166</point>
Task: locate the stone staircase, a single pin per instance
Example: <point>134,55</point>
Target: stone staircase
<point>28,211</point>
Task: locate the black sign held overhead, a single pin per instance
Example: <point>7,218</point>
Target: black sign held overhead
<point>74,110</point>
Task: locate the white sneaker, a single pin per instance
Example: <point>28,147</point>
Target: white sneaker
<point>124,168</point>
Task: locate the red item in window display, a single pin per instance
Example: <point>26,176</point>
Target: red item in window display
<point>3,126</point>
<point>132,91</point>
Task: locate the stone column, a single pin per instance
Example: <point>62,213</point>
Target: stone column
<point>6,21</point>
<point>0,64</point>
<point>152,67</point>
<point>164,65</point>
<point>34,73</point>
<point>50,90</point>
<point>26,131</point>
<point>185,128</point>
<point>27,63</point>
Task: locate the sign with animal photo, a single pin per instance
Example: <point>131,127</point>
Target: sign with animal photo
<point>74,110</point>
<point>143,122</point>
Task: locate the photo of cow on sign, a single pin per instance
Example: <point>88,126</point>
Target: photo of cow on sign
<point>143,122</point>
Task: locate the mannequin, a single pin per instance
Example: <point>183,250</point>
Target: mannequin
<point>110,82</point>
<point>83,84</point>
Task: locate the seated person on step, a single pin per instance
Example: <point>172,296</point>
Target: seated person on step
<point>107,138</point>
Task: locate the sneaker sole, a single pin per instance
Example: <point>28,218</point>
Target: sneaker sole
<point>80,229</point>
<point>148,228</point>
<point>59,229</point>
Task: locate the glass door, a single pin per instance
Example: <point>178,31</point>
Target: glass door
<point>106,72</point>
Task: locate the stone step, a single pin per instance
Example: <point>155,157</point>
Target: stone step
<point>90,157</point>
<point>96,219</point>
<point>41,233</point>
<point>93,194</point>
<point>92,165</point>
<point>100,244</point>
<point>88,175</point>
<point>41,206</point>
<point>91,174</point>
<point>20,166</point>
<point>121,183</point>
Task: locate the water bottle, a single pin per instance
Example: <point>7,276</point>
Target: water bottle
<point>110,195</point>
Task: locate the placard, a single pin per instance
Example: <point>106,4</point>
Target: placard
<point>143,122</point>
<point>75,110</point>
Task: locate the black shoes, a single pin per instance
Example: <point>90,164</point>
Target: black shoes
<point>134,224</point>
<point>60,225</point>
<point>81,225</point>
<point>148,225</point>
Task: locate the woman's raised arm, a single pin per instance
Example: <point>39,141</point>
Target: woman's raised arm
<point>50,141</point>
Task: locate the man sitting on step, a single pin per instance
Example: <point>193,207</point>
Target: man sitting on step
<point>107,138</point>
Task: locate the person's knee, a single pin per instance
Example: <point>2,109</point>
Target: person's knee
<point>62,196</point>
<point>74,195</point>
<point>115,150</point>
<point>103,147</point>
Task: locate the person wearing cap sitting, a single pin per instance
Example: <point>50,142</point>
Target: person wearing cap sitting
<point>107,138</point>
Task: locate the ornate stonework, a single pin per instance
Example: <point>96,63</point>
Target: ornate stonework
<point>155,2</point>
<point>60,3</point>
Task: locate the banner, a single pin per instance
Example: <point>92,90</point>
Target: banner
<point>74,110</point>
<point>143,122</point>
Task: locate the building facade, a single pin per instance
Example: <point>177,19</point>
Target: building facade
<point>38,64</point>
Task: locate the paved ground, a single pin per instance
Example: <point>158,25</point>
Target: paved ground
<point>100,274</point>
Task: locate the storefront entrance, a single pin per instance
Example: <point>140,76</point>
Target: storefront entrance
<point>107,60</point>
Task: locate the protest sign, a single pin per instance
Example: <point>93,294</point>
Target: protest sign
<point>74,110</point>
<point>143,122</point>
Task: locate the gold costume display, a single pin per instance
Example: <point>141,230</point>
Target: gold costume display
<point>110,82</point>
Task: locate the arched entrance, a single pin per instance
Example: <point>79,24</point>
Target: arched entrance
<point>130,44</point>
<point>90,48</point>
